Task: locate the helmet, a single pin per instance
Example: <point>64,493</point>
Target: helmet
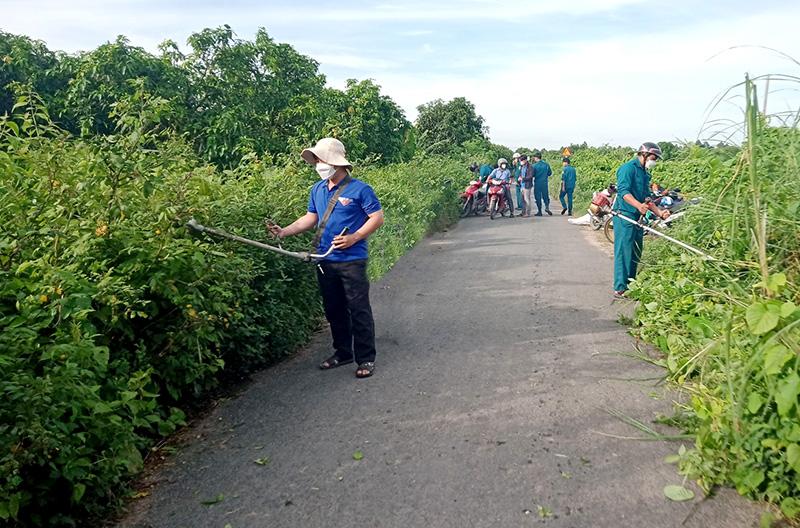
<point>501,161</point>
<point>537,154</point>
<point>523,157</point>
<point>516,155</point>
<point>565,159</point>
<point>648,148</point>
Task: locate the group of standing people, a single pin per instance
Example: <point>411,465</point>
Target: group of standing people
<point>531,182</point>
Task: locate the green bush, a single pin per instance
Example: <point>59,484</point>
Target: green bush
<point>113,317</point>
<point>730,328</point>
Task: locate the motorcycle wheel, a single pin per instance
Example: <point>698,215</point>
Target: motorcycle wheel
<point>466,209</point>
<point>481,206</point>
<point>608,230</point>
<point>596,222</point>
<point>492,208</point>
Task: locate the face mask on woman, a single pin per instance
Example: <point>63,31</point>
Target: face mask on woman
<point>503,166</point>
<point>324,170</point>
<point>649,164</point>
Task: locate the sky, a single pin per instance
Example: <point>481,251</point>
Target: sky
<point>543,74</point>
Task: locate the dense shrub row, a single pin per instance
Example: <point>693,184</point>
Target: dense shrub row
<point>113,316</point>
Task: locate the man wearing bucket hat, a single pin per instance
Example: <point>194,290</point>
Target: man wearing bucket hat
<point>337,202</point>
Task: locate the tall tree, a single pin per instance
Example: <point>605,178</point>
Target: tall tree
<point>445,126</point>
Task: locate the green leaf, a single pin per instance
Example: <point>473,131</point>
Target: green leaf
<point>216,500</point>
<point>651,306</point>
<point>678,493</point>
<point>753,479</point>
<point>754,402</point>
<point>13,505</point>
<point>77,492</point>
<point>761,319</point>
<point>358,455</point>
<point>672,459</point>
<point>787,309</point>
<point>775,357</point>
<point>102,408</point>
<point>263,461</point>
<point>793,456</point>
<point>790,507</point>
<point>786,394</point>
<point>776,282</point>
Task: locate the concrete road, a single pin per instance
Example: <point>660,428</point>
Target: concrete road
<point>499,354</point>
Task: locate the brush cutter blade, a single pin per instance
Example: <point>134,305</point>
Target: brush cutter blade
<point>193,225</point>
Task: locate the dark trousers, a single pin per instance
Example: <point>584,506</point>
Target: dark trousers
<point>345,296</point>
<point>509,201</point>
<point>541,194</point>
<point>568,194</point>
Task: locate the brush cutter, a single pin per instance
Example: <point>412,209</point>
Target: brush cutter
<point>656,232</point>
<point>195,226</point>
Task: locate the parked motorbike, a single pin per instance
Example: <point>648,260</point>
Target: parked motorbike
<point>497,198</point>
<point>473,199</point>
<point>600,208</point>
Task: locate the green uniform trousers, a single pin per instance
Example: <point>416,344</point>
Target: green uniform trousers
<point>628,240</point>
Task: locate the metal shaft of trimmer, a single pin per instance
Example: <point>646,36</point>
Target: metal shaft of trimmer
<point>656,232</point>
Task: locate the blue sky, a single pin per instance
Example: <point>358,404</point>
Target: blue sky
<point>542,73</point>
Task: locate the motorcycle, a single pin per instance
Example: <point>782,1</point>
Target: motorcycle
<point>497,198</point>
<point>600,208</point>
<point>472,199</point>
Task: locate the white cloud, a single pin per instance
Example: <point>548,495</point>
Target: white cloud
<point>621,90</point>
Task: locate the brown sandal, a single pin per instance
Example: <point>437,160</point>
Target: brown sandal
<point>365,370</point>
<point>333,362</point>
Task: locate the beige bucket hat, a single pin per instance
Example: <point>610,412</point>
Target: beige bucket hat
<point>328,150</point>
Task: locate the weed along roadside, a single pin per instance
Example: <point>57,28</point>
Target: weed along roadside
<point>116,319</point>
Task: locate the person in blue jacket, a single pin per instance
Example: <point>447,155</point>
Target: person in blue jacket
<point>541,173</point>
<point>633,191</point>
<point>568,179</point>
<point>525,181</point>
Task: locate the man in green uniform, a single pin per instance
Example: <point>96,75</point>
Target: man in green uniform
<point>541,173</point>
<point>568,178</point>
<point>633,189</point>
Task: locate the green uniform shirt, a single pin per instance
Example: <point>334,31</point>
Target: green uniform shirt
<point>485,171</point>
<point>632,178</point>
<point>541,171</point>
<point>569,177</point>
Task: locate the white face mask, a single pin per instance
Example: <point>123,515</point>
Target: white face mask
<point>649,164</point>
<point>503,166</point>
<point>324,170</point>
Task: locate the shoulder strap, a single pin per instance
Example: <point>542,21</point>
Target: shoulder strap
<point>328,210</point>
